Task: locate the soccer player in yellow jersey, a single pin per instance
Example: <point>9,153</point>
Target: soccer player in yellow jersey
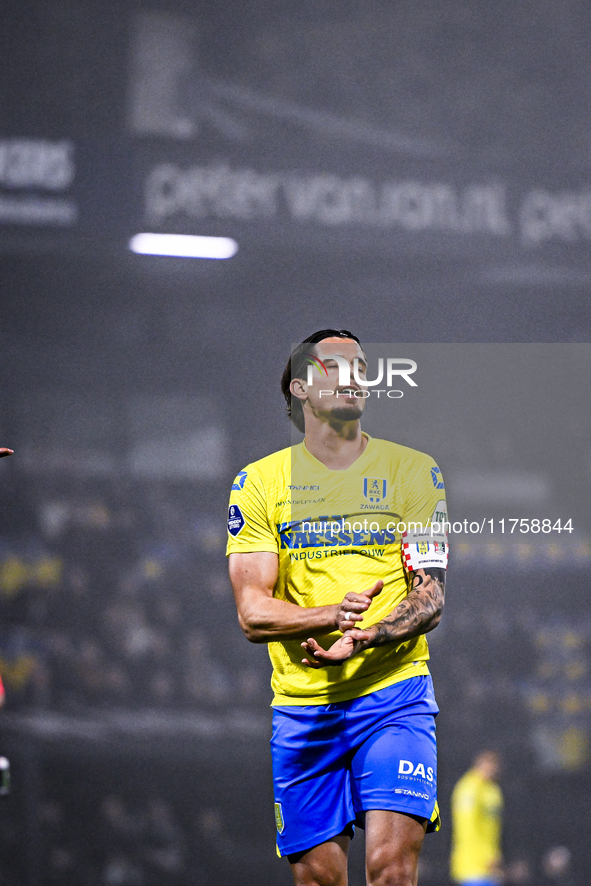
<point>477,805</point>
<point>337,561</point>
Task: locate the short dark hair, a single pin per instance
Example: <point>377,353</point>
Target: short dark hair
<point>296,368</point>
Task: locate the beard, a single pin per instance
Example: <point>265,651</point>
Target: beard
<point>347,413</point>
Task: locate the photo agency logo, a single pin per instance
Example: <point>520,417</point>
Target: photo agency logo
<point>390,371</point>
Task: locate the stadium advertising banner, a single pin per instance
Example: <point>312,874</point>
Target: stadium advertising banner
<point>98,189</point>
<point>186,194</point>
<point>183,146</point>
<point>36,182</point>
<point>213,155</point>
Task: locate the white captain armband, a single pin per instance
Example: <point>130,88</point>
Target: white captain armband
<point>422,549</point>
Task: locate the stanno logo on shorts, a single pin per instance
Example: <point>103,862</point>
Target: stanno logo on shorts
<point>408,793</point>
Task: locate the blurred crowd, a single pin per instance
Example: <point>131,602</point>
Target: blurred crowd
<point>117,594</point>
<point>103,823</point>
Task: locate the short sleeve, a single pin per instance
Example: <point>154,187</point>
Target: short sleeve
<point>249,527</point>
<point>425,515</point>
<point>425,493</point>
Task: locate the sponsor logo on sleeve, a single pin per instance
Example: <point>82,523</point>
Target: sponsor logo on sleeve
<point>439,515</point>
<point>236,521</point>
<point>238,483</point>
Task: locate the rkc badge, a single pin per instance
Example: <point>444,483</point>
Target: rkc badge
<point>279,818</point>
<point>374,489</point>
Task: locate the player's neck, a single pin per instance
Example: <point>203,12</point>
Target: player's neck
<point>336,447</point>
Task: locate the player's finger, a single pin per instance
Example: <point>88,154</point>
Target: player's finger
<point>312,648</point>
<point>4,452</point>
<point>373,592</point>
<point>358,634</point>
<point>344,625</point>
<point>366,597</point>
<point>352,615</point>
<point>320,657</point>
<point>356,603</point>
<point>310,645</point>
<point>351,597</point>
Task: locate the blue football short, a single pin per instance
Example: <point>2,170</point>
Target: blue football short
<point>332,763</point>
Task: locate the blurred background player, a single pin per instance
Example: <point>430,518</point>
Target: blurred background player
<point>477,805</point>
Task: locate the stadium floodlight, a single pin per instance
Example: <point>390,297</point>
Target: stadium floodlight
<point>183,245</point>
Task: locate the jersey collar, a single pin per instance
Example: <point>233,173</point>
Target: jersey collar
<point>310,462</point>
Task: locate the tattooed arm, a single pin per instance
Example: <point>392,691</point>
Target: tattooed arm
<point>418,613</point>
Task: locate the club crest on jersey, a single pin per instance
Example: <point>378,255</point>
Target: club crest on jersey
<point>374,489</point>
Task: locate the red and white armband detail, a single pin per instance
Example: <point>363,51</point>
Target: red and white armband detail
<point>421,550</point>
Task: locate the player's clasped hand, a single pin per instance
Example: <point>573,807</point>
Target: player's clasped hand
<point>351,610</point>
<point>345,647</point>
<point>354,607</point>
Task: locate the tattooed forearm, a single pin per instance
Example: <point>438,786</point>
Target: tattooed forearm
<point>417,614</point>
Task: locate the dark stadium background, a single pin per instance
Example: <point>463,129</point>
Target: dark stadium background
<point>418,172</point>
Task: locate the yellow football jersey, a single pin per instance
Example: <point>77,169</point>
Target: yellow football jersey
<point>476,807</point>
<point>335,532</point>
